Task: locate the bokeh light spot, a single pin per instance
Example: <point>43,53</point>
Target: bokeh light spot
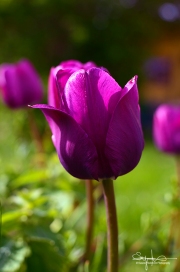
<point>169,12</point>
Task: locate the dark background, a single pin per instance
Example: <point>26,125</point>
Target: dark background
<point>114,34</point>
<point>120,35</point>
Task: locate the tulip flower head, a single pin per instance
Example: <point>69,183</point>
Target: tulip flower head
<point>166,128</point>
<point>95,123</point>
<point>20,84</point>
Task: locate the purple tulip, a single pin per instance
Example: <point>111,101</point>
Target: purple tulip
<point>20,84</point>
<point>95,123</point>
<point>166,128</point>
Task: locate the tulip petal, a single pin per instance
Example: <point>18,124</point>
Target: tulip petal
<point>56,83</point>
<point>124,142</point>
<point>77,64</point>
<point>91,98</point>
<point>53,95</point>
<point>61,78</point>
<point>75,150</point>
<point>71,63</point>
<point>58,78</point>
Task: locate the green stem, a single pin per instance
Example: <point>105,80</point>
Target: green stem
<point>178,175</point>
<point>176,217</point>
<point>112,225</point>
<point>90,218</point>
<point>0,224</point>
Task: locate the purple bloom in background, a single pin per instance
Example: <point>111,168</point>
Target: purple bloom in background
<point>20,84</point>
<point>95,123</point>
<point>166,128</point>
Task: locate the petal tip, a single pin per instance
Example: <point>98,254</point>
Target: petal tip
<point>134,79</point>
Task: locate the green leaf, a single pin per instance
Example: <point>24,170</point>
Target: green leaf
<point>29,177</point>
<point>11,218</point>
<point>42,231</point>
<point>99,259</point>
<point>12,255</point>
<point>45,256</point>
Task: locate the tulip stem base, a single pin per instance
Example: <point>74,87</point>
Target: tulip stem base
<point>175,232</point>
<point>178,175</point>
<point>112,233</point>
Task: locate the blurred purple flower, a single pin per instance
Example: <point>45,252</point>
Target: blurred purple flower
<point>95,123</point>
<point>20,84</point>
<point>166,128</point>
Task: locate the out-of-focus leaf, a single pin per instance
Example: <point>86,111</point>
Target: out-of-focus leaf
<point>28,178</point>
<point>45,256</point>
<point>43,231</point>
<point>77,217</point>
<point>29,198</point>
<point>12,216</point>
<point>62,201</point>
<point>3,184</point>
<point>12,219</point>
<point>99,260</point>
<point>12,255</point>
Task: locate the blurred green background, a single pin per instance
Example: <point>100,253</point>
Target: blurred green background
<point>44,208</point>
